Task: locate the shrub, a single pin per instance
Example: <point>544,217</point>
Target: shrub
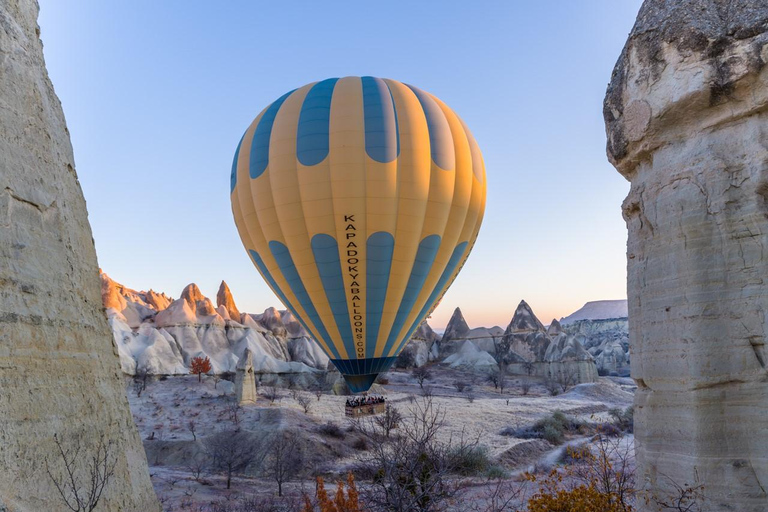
<point>496,473</point>
<point>624,420</point>
<point>552,428</point>
<point>470,460</point>
<point>552,434</point>
<point>360,444</point>
<point>332,430</point>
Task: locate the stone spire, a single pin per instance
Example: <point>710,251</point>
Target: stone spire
<point>224,299</point>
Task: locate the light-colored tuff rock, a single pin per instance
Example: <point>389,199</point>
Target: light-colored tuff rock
<point>527,347</point>
<point>245,381</point>
<point>164,341</point>
<point>598,310</point>
<point>225,300</point>
<point>59,369</point>
<point>686,117</point>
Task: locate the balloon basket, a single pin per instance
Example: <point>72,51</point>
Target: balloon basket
<point>361,406</point>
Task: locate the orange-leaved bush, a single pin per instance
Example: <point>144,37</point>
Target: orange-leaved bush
<point>200,365</point>
<point>340,502</point>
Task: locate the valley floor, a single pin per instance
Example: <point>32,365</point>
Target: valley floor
<point>176,415</point>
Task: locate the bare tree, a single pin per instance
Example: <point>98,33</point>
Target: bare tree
<point>304,402</point>
<point>552,387</point>
<point>567,378</point>
<point>85,474</point>
<point>318,393</point>
<point>502,372</point>
<point>528,366</point>
<point>233,452</point>
<point>389,420</point>
<point>233,410</point>
<point>501,496</point>
<point>271,393</point>
<point>460,385</point>
<point>285,457</point>
<point>469,394</point>
<point>216,379</point>
<point>525,385</point>
<point>421,374</point>
<point>141,379</point>
<point>413,468</point>
<point>197,464</point>
<point>192,426</point>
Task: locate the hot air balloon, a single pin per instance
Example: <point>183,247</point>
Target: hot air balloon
<point>358,199</point>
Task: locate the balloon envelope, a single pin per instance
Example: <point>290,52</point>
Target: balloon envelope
<point>358,199</point>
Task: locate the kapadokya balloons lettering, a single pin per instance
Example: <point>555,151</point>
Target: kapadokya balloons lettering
<point>358,199</point>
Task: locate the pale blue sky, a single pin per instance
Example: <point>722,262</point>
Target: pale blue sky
<point>157,94</point>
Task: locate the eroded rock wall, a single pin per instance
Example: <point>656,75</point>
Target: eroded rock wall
<point>687,124</point>
<point>59,370</point>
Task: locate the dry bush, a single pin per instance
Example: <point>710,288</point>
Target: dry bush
<point>421,374</point>
<point>339,503</point>
<point>414,470</point>
<point>285,458</point>
<point>83,472</point>
<point>232,452</point>
<point>304,402</point>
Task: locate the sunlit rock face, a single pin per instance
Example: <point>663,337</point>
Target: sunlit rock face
<point>687,124</point>
<point>59,370</point>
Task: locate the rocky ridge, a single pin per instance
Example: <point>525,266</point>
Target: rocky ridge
<point>164,340</point>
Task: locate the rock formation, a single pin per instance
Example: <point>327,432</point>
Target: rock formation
<point>59,370</point>
<point>225,300</point>
<point>686,116</point>
<point>164,341</point>
<point>598,310</point>
<point>245,380</point>
<point>528,347</point>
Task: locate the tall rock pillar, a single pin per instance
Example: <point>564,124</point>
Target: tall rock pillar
<point>686,115</point>
<point>59,369</point>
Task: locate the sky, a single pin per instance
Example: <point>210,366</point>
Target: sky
<point>157,94</point>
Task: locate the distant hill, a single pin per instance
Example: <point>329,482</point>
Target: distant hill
<point>598,310</point>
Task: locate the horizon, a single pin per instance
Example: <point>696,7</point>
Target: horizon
<point>155,113</point>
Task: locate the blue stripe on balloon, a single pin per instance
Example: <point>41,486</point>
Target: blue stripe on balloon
<point>425,257</point>
<point>381,137</point>
<point>283,258</point>
<point>440,142</point>
<point>458,252</point>
<point>379,249</point>
<point>312,139</point>
<point>261,136</point>
<point>233,177</point>
<point>326,252</point>
<point>271,280</point>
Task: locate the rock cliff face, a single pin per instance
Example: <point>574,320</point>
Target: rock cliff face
<point>59,370</point>
<point>164,341</point>
<point>686,115</point>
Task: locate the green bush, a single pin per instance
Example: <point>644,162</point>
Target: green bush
<point>469,461</point>
<point>552,434</point>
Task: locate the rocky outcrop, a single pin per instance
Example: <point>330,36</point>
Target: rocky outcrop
<point>59,371</point>
<point>165,341</point>
<point>607,341</point>
<point>245,381</point>
<point>225,300</point>
<point>527,347</point>
<point>686,113</point>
